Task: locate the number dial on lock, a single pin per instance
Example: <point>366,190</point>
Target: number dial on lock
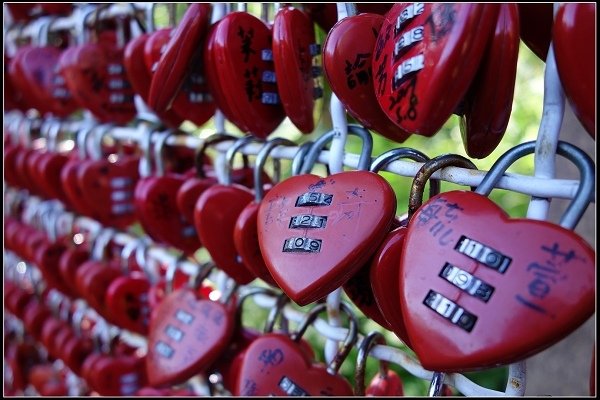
<point>425,58</point>
<point>479,289</point>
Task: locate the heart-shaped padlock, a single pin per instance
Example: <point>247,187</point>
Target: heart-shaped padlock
<point>156,205</point>
<point>219,206</point>
<point>332,224</point>
<point>127,296</point>
<point>245,238</point>
<point>490,289</point>
<point>535,27</point>
<point>191,101</point>
<point>179,58</point>
<point>96,78</point>
<point>22,76</point>
<point>383,267</point>
<point>386,382</point>
<point>192,188</point>
<point>187,335</point>
<point>487,105</point>
<point>573,36</point>
<point>70,260</point>
<point>108,187</point>
<point>349,48</point>
<point>425,58</point>
<point>239,59</point>
<point>276,364</point>
<point>118,375</point>
<point>140,77</point>
<point>296,70</point>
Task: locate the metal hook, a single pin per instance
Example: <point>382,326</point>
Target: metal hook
<point>364,349</point>
<point>241,142</point>
<point>259,163</point>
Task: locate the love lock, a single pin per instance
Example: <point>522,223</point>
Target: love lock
<point>156,205</point>
<point>245,236</point>
<point>127,295</point>
<point>239,66</point>
<point>426,56</point>
<point>315,233</point>
<point>107,187</point>
<point>219,206</point>
<point>480,289</point>
<point>572,36</point>
<point>487,105</point>
<point>296,70</point>
<point>384,265</point>
<point>386,382</point>
<point>180,67</point>
<point>187,334</point>
<point>354,87</point>
<point>276,364</point>
<point>95,75</point>
<point>374,288</point>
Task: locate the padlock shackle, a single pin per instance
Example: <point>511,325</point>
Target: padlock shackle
<point>300,156</point>
<point>277,311</point>
<point>366,345</point>
<point>259,164</point>
<point>442,161</point>
<point>206,143</point>
<point>235,147</point>
<point>253,291</point>
<point>404,152</point>
<point>351,337</point>
<point>364,161</point>
<point>159,146</point>
<point>584,163</point>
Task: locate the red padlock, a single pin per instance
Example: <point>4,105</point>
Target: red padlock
<point>332,224</point>
<point>425,58</point>
<point>489,289</point>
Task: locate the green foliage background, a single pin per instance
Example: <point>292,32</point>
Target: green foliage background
<point>523,126</point>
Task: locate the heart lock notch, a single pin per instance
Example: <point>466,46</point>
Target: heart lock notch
<point>492,290</point>
<point>486,107</point>
<point>297,67</point>
<point>239,49</point>
<point>355,87</point>
<point>386,382</point>
<point>277,364</point>
<point>156,204</point>
<point>374,289</point>
<point>573,36</point>
<point>107,183</point>
<point>315,233</point>
<point>245,236</point>
<point>425,58</point>
<point>219,208</point>
<point>188,334</point>
<point>94,72</point>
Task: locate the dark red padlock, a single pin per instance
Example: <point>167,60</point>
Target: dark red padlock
<point>245,238</point>
<point>425,58</point>
<point>70,260</point>
<point>176,60</point>
<point>118,375</point>
<point>276,364</point>
<point>489,289</point>
<point>347,55</point>
<point>127,301</point>
<point>191,101</point>
<point>573,36</point>
<point>535,26</point>
<point>240,57</point>
<point>156,206</point>
<point>487,105</point>
<point>297,74</point>
<point>187,335</point>
<point>140,77</point>
<point>220,205</point>
<point>332,224</point>
<point>96,78</point>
